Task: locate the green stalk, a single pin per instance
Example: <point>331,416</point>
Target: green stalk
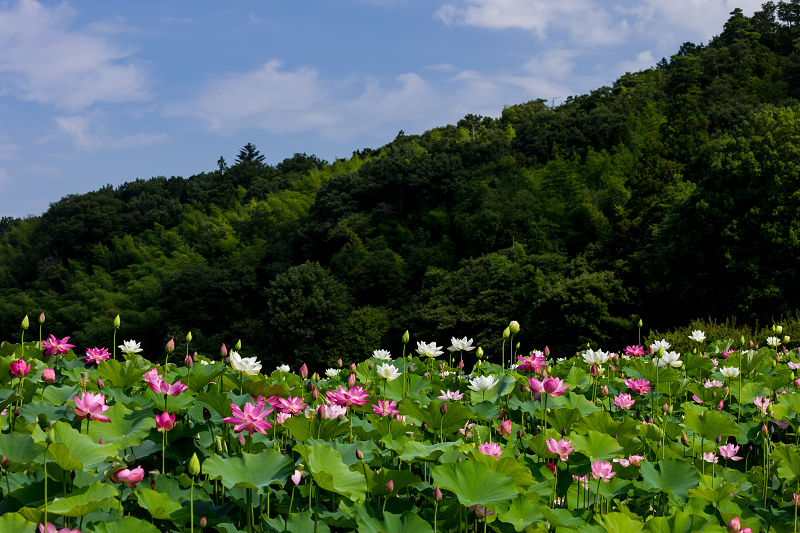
<point>113,345</point>
<point>191,503</point>
<point>45,482</point>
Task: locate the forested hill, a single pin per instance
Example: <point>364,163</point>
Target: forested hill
<point>673,194</point>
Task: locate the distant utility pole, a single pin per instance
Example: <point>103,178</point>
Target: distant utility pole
<point>554,101</point>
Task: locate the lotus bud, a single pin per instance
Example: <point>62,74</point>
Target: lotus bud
<point>405,337</point>
<point>546,351</point>
<point>721,405</point>
<point>778,329</point>
<point>48,375</point>
<point>424,426</point>
<point>359,455</point>
<point>315,394</point>
<point>506,333</point>
<point>719,438</point>
<point>339,363</point>
<point>777,357</point>
<point>320,412</point>
<point>516,455</point>
<point>4,462</point>
<point>479,353</point>
<point>786,339</point>
<point>797,383</point>
<point>517,346</point>
<point>520,434</point>
<point>203,522</point>
<point>443,409</point>
<point>410,369</point>
<point>514,327</point>
<point>170,346</point>
<point>25,322</point>
<point>763,429</point>
<point>353,367</point>
<point>505,428</point>
<point>188,361</point>
<point>536,432</point>
<point>194,463</point>
<point>441,366</point>
<point>371,366</point>
<point>241,440</point>
<point>218,444</point>
<point>100,384</point>
<point>685,439</point>
<point>459,459</point>
<point>351,380</point>
<point>206,414</point>
<point>460,365</point>
<point>640,322</point>
<point>315,377</point>
<point>564,431</point>
<point>303,371</point>
<point>733,526</point>
<point>223,351</point>
<point>604,390</point>
<point>751,343</point>
<point>437,494</point>
<point>593,370</point>
<point>41,318</point>
<point>18,411</point>
<point>238,345</point>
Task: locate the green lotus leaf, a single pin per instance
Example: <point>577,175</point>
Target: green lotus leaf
<point>474,483</point>
<point>219,402</point>
<point>31,411</point>
<point>175,404</point>
<point>509,467</point>
<point>16,523</point>
<point>670,475</point>
<point>578,378</point>
<point>679,522</point>
<point>20,448</point>
<point>485,411</point>
<point>158,504</point>
<point>408,522</point>
<point>416,450</point>
<point>295,522</point>
<point>303,429</point>
<point>348,451</point>
<point>84,500</point>
<point>749,392</point>
<point>330,473</point>
<point>120,375</point>
<point>652,373</point>
<point>559,518</point>
<point>603,423</point>
<point>710,424</point>
<point>619,523</point>
<point>614,487</point>
<point>454,419</point>
<point>722,491</point>
<point>264,388</point>
<point>596,446</point>
<point>250,471</point>
<point>505,384</point>
<point>400,479</point>
<point>562,420</point>
<point>127,428</point>
<point>792,401</point>
<point>75,451</point>
<point>573,401</point>
<point>59,395</point>
<point>789,466</point>
<point>521,513</point>
<point>125,524</point>
<point>383,425</point>
<point>695,361</point>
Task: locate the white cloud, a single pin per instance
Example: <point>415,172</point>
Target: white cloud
<point>42,61</point>
<point>9,151</point>
<point>644,60</point>
<point>87,135</point>
<point>555,64</point>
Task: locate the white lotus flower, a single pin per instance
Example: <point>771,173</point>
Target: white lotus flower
<point>461,344</point>
<point>388,372</point>
<point>332,372</point>
<point>595,357</point>
<point>657,345</point>
<point>383,355</point>
<point>482,383</point>
<point>729,371</point>
<point>429,350</point>
<point>248,365</point>
<point>773,341</point>
<point>697,336</point>
<point>670,359</point>
<point>283,368</point>
<point>130,347</point>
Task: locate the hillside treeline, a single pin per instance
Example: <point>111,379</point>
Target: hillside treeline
<point>673,194</point>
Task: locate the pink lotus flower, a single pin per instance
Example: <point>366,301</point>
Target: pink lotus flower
<point>533,363</point>
<point>385,408</point>
<point>793,366</point>
<point>165,422</point>
<point>296,477</point>
<point>162,387</point>
<point>762,404</point>
<point>634,351</point>
<point>553,468</point>
<point>280,418</point>
<point>48,375</point>
<point>551,386</point>
<point>331,411</point>
<point>734,527</point>
<point>624,401</point>
<point>129,477</point>
<point>355,396</point>
<point>50,528</point>
<point>291,405</point>
<point>710,457</point>
<point>712,383</point>
<point>92,405</point>
<point>152,376</point>
<point>639,386</point>
<point>582,480</point>
<point>56,347</point>
<point>696,399</point>
<point>561,448</point>
<point>505,428</point>
<point>251,419</point>
<point>467,429</point>
<point>95,355</point>
<point>729,451</point>
<point>632,460</point>
<point>19,368</point>
<point>451,395</point>
<point>603,470</point>
<point>490,448</point>
<point>781,424</point>
<point>480,511</point>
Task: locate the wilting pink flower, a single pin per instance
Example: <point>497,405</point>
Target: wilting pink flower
<point>603,470</point>
<point>632,460</point>
<point>505,428</point>
<point>634,351</point>
<point>385,408</point>
<point>451,395</point>
<point>251,419</point>
<point>710,457</point>
<point>291,405</point>
<point>296,477</point>
<point>696,399</point>
<point>762,404</point>
<point>624,401</point>
<point>95,355</point>
<point>729,451</point>
<point>19,368</point>
<point>165,422</point>
<point>355,396</point>
<point>467,429</point>
<point>129,477</point>
<point>533,363</point>
<point>490,448</point>
<point>781,424</point>
<point>48,375</point>
<point>480,511</point>
<point>639,386</point>
<point>553,468</point>
<point>55,346</point>
<point>162,387</point>
<point>562,448</point>
<point>92,405</point>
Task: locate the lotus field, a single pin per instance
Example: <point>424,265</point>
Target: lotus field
<point>410,440</point>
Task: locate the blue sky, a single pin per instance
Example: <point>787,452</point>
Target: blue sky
<point>93,92</point>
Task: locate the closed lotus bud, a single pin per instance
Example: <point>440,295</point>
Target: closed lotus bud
<point>640,322</point>
<point>536,432</point>
<point>48,375</point>
<point>4,462</point>
<point>194,464</point>
<point>359,455</point>
<point>505,428</point>
<point>50,438</point>
<point>410,368</point>
<point>604,390</point>
<point>514,327</point>
<point>315,377</point>
<point>751,343</point>
<point>778,329</point>
<point>188,361</point>
<point>517,346</point>
<point>734,526</point>
<point>441,366</point>
<point>320,412</point>
<point>459,459</point>
<point>315,394</point>
<point>685,439</point>
<point>546,351</point>
<point>241,439</point>
<point>371,366</point>
<point>564,431</point>
<point>25,322</point>
<point>593,370</point>
<point>443,409</point>
<point>223,351</point>
<point>389,486</point>
<point>351,380</point>
<point>719,439</point>
<point>437,494</point>
<point>786,339</point>
<point>189,337</point>
<point>721,405</point>
<point>506,333</point>
<point>797,383</point>
<point>310,386</point>
<point>353,367</point>
<point>238,345</point>
<point>170,346</point>
<point>520,433</point>
<point>203,522</point>
<point>339,363</point>
<point>763,429</point>
<point>460,365</point>
<point>100,384</point>
<point>665,408</point>
<point>304,371</point>
<point>405,337</point>
<point>206,414</point>
<point>41,318</point>
<point>424,426</point>
<point>18,411</point>
<point>479,352</point>
<point>516,455</point>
